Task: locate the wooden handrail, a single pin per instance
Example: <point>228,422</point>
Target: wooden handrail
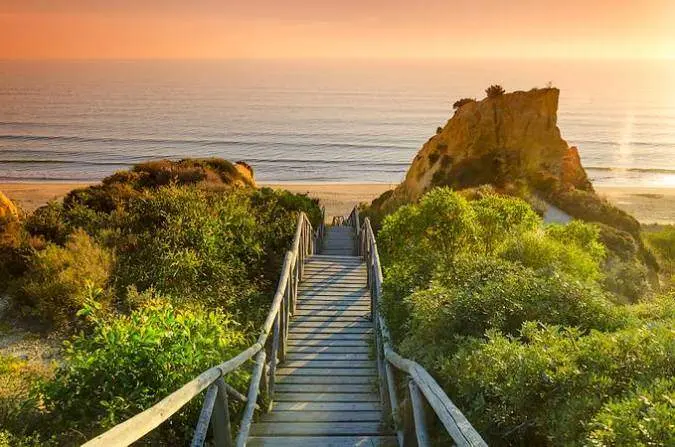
<point>214,410</point>
<point>420,382</point>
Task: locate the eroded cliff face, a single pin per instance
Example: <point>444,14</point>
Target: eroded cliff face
<point>509,139</point>
<point>246,172</point>
<point>7,208</point>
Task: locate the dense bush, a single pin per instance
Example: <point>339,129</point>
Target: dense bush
<point>175,263</point>
<point>488,293</point>
<point>518,320</point>
<point>645,417</point>
<point>191,245</point>
<point>60,279</point>
<point>127,363</point>
<point>546,391</point>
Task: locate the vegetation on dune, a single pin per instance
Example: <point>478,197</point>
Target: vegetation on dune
<point>460,102</point>
<point>158,272</point>
<point>129,353</point>
<point>520,322</point>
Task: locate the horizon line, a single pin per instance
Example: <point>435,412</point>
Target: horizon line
<point>345,58</point>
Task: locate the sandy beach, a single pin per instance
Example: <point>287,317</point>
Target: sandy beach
<point>648,205</point>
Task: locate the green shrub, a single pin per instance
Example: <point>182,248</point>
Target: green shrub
<point>19,408</point>
<point>60,279</point>
<point>618,242</point>
<point>49,222</point>
<point>435,230</point>
<point>501,216</point>
<point>627,279</point>
<point>128,363</point>
<point>193,246</point>
<point>663,242</point>
<point>487,293</point>
<point>544,392</point>
<point>543,253</point>
<point>646,417</point>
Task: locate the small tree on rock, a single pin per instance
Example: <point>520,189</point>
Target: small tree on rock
<point>494,90</point>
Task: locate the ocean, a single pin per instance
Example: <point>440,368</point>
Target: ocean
<point>315,121</point>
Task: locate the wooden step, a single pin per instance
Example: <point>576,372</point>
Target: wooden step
<point>322,416</point>
<point>329,342</point>
<point>315,428</point>
<point>323,380</point>
<point>322,441</point>
<point>299,349</point>
<point>325,388</point>
<point>327,406</point>
<point>304,371</point>
<point>326,356</point>
<point>325,397</point>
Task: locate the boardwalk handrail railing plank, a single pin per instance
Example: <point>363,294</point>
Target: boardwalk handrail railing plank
<point>215,408</point>
<point>420,382</point>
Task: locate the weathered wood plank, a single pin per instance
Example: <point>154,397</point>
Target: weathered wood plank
<point>326,397</point>
<point>327,441</point>
<point>316,428</point>
<point>303,371</point>
<point>358,380</point>
<point>329,308</point>
<point>322,416</point>
<point>328,356</point>
<point>320,364</point>
<point>320,312</point>
<point>326,406</point>
<point>328,336</point>
<point>333,330</point>
<point>319,349</point>
<point>299,324</point>
<point>325,388</point>
<point>332,318</point>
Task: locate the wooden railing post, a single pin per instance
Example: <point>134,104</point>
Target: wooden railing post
<point>273,359</point>
<point>247,418</point>
<point>220,421</point>
<point>418,415</point>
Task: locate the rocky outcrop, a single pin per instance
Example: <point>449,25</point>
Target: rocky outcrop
<point>7,208</point>
<point>510,139</point>
<point>246,172</point>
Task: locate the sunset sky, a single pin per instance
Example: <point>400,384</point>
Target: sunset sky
<point>168,29</point>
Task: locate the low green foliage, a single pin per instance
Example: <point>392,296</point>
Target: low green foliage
<point>662,241</point>
<point>19,406</point>
<point>645,417</point>
<point>191,245</point>
<point>127,363</point>
<point>60,279</point>
<point>520,324</point>
<point>175,262</point>
<point>546,390</point>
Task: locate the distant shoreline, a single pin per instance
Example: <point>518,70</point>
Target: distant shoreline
<point>648,204</point>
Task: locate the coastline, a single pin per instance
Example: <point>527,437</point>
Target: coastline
<point>648,204</point>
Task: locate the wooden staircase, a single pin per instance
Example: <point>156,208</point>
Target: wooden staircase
<point>326,391</point>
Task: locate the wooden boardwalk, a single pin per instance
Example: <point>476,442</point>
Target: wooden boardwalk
<point>326,391</point>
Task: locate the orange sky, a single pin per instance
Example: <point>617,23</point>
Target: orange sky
<point>132,29</point>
